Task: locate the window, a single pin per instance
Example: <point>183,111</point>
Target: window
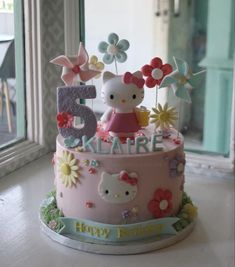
<point>12,87</point>
<point>179,28</point>
<point>187,30</point>
<point>43,24</point>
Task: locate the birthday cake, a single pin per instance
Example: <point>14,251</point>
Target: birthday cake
<point>119,179</point>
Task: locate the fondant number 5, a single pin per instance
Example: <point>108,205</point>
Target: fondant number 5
<point>66,102</point>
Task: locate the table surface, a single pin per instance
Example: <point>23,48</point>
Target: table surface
<point>23,244</point>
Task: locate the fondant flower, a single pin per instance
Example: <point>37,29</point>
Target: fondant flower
<point>52,224</point>
<point>155,72</point>
<point>190,210</point>
<point>48,201</point>
<point>68,169</point>
<point>95,163</point>
<point>86,162</point>
<point>164,116</point>
<point>71,142</point>
<point>79,149</point>
<point>135,211</point>
<point>161,205</point>
<point>64,120</point>
<point>75,67</point>
<point>114,49</point>
<point>94,64</point>
<point>177,165</point>
<point>126,214</point>
<point>179,79</point>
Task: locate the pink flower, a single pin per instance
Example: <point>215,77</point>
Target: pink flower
<point>52,224</point>
<point>155,72</point>
<point>161,205</point>
<point>64,120</point>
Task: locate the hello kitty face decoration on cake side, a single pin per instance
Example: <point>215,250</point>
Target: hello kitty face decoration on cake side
<point>118,188</point>
<point>123,92</point>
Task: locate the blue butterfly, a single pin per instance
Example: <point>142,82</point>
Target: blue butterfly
<point>179,79</point>
<point>71,142</point>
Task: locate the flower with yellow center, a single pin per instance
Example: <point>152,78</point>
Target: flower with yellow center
<point>190,210</point>
<point>94,64</point>
<point>68,169</point>
<point>164,117</point>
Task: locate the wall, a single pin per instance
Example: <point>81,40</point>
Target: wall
<point>180,46</point>
<point>6,23</point>
<point>199,50</point>
<point>133,20</point>
<point>52,36</point>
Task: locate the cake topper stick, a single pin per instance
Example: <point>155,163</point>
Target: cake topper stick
<point>115,62</point>
<point>178,126</point>
<point>95,64</point>
<point>155,72</point>
<point>180,80</point>
<point>114,50</point>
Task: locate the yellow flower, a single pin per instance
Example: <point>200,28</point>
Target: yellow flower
<point>79,149</point>
<point>190,210</point>
<point>68,169</point>
<point>164,116</point>
<point>94,64</point>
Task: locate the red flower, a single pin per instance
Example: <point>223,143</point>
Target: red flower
<point>160,206</point>
<point>155,72</point>
<point>64,120</point>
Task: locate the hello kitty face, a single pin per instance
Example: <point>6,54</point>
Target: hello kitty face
<point>118,188</point>
<point>118,94</point>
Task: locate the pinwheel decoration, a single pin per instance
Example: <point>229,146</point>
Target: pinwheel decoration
<point>75,68</point>
<point>181,79</point>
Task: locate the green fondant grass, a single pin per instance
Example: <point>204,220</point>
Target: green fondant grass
<point>50,213</point>
<point>184,218</point>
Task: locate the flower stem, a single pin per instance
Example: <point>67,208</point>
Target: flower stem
<point>156,99</point>
<point>180,103</point>
<point>115,62</point>
<point>92,99</point>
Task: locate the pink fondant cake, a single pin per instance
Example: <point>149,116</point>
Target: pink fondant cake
<point>160,170</point>
<point>120,179</point>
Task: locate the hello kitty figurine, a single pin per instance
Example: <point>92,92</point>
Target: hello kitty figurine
<point>123,94</point>
<point>118,188</point>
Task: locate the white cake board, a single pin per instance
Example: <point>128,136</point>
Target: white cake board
<point>135,247</point>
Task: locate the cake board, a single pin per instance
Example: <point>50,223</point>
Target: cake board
<point>135,247</point>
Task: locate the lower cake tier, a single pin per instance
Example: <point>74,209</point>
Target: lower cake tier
<point>119,188</point>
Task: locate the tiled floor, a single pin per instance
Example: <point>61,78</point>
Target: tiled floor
<point>22,244</point>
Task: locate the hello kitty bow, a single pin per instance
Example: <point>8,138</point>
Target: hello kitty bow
<point>75,67</point>
<point>128,178</point>
<point>131,78</point>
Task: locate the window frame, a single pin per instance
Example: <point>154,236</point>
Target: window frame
<point>22,152</point>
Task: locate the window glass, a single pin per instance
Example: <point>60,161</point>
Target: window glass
<point>187,30</point>
<point>12,119</point>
